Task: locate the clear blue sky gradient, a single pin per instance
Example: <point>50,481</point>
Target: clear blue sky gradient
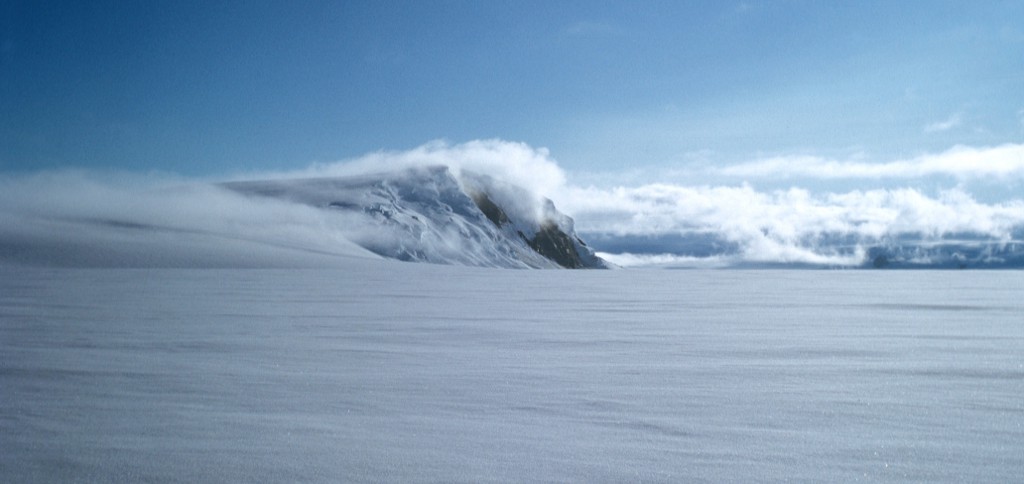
<point>204,88</point>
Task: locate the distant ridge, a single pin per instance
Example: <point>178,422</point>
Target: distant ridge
<point>903,251</point>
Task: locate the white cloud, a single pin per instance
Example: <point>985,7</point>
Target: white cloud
<point>953,121</point>
<point>789,225</point>
<point>961,162</point>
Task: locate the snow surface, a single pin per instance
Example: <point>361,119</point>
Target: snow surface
<point>389,372</point>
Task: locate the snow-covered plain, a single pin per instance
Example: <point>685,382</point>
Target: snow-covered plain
<point>381,371</point>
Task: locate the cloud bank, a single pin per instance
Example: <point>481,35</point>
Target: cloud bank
<point>789,226</point>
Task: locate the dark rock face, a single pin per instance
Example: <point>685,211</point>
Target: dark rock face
<point>492,211</point>
<point>880,262</point>
<point>549,240</point>
<point>556,245</point>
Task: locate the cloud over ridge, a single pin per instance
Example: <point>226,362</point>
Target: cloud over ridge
<point>514,162</point>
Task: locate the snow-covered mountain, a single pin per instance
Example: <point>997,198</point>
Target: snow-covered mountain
<point>431,214</point>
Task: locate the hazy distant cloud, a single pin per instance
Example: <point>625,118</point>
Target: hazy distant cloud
<point>746,7</point>
<point>961,162</point>
<point>953,121</point>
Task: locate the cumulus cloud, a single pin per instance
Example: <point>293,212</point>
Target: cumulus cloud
<point>961,162</point>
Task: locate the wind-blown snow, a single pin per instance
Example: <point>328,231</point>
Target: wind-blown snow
<point>80,219</point>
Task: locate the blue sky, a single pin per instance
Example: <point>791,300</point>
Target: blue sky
<point>207,88</point>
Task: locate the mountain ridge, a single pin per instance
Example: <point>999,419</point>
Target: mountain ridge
<point>431,214</point>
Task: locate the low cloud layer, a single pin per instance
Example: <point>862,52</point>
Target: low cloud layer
<point>789,214</point>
